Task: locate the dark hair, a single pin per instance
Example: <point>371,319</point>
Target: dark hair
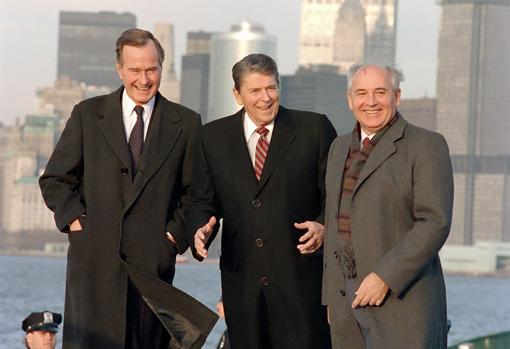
<point>138,38</point>
<point>254,63</point>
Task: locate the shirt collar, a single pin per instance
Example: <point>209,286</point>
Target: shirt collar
<point>250,127</point>
<point>128,105</point>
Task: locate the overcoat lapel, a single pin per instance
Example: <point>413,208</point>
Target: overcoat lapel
<point>112,126</point>
<point>383,150</point>
<point>164,130</point>
<point>239,153</point>
<point>283,136</point>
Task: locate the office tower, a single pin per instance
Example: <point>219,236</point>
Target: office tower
<point>419,111</point>
<point>195,72</point>
<point>86,46</point>
<point>169,87</point>
<point>381,22</point>
<point>320,23</point>
<point>226,50</point>
<point>319,88</point>
<point>473,82</point>
<point>198,43</point>
<point>349,36</point>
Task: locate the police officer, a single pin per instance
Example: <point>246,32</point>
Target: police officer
<point>41,329</point>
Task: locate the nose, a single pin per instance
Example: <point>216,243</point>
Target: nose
<point>371,100</point>
<point>144,78</point>
<point>266,96</point>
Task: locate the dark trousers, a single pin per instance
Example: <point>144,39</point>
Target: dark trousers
<point>143,328</point>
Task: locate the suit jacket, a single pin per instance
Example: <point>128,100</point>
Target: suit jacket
<point>400,217</point>
<point>258,238</point>
<point>89,173</point>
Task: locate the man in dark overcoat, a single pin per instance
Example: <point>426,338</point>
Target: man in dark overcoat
<point>389,187</point>
<point>262,171</point>
<point>116,183</point>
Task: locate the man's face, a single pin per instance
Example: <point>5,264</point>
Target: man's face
<point>372,99</point>
<point>41,340</point>
<point>140,72</point>
<point>260,96</point>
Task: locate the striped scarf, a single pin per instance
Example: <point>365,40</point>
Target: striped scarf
<point>353,166</point>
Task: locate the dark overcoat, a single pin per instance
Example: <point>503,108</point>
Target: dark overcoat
<point>400,216</point>
<point>123,235</point>
<point>258,247</point>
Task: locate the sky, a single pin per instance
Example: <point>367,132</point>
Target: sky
<point>29,38</point>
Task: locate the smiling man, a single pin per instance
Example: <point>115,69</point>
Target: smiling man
<point>117,181</point>
<point>389,189</point>
<point>262,171</point>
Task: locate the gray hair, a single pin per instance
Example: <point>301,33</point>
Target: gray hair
<point>254,63</point>
<point>396,75</point>
<point>138,38</point>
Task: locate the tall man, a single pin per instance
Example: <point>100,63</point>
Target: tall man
<point>389,189</point>
<point>262,171</point>
<point>116,182</point>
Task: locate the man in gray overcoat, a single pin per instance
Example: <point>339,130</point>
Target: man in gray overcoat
<point>389,196</point>
<point>117,182</point>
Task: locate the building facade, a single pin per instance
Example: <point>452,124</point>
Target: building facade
<point>86,46</point>
<point>226,49</point>
<point>319,89</point>
<point>321,26</point>
<point>472,85</point>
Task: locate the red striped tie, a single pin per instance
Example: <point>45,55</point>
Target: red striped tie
<point>261,151</point>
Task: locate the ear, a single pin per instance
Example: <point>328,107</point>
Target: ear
<point>237,96</point>
<point>397,98</point>
<point>118,67</point>
<point>349,100</point>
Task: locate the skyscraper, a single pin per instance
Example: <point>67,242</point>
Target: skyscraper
<point>350,35</point>
<point>169,87</point>
<point>319,88</point>
<point>195,72</point>
<point>226,50</point>
<point>319,20</point>
<point>86,46</point>
<point>473,82</point>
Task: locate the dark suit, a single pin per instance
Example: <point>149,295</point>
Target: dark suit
<point>266,282</point>
<point>400,217</point>
<point>126,220</point>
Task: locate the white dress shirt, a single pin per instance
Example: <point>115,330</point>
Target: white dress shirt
<point>129,114</point>
<point>252,137</point>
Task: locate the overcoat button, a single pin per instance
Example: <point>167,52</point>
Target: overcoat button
<point>259,242</point>
<point>264,281</point>
<point>342,292</point>
<point>123,256</point>
<point>256,203</point>
<point>124,171</point>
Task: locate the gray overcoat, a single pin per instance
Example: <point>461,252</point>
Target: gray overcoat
<point>400,218</point>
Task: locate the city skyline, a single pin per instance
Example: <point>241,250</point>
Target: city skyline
<point>30,62</point>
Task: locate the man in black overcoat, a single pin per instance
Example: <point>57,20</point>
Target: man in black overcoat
<point>262,171</point>
<point>116,183</point>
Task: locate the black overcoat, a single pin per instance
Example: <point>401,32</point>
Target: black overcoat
<point>258,247</point>
<point>90,174</point>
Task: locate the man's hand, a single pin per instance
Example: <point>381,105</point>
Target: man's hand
<point>75,226</point>
<point>202,236</point>
<point>313,239</point>
<point>372,291</point>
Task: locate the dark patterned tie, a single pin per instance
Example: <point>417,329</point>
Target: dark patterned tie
<point>261,151</point>
<point>136,138</point>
